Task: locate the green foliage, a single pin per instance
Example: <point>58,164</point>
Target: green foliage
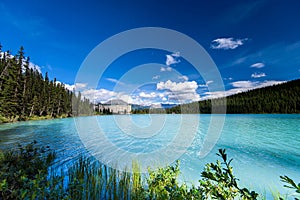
<point>289,183</point>
<point>3,119</point>
<point>25,174</point>
<point>163,184</point>
<point>25,94</point>
<point>282,98</point>
<point>219,182</point>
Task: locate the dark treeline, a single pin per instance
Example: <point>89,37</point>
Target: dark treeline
<point>281,98</point>
<point>25,93</point>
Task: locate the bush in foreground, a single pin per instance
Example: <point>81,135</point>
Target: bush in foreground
<point>24,174</point>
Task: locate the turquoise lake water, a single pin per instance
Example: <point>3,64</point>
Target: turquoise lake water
<point>263,147</point>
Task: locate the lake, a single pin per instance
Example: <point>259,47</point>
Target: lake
<point>263,147</point>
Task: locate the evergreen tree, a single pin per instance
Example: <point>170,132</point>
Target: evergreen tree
<point>25,93</point>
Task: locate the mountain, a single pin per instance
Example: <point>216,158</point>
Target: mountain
<point>156,106</point>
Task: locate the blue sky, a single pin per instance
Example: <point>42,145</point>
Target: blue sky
<point>253,43</point>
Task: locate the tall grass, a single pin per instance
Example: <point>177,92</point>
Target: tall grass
<point>93,180</point>
<point>24,175</point>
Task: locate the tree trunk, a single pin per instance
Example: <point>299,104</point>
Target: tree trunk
<point>42,111</point>
<point>31,111</point>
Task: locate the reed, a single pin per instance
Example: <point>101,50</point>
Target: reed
<point>25,174</point>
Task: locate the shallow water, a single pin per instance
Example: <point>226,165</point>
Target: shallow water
<point>263,146</point>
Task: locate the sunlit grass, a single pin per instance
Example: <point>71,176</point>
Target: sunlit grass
<point>26,173</point>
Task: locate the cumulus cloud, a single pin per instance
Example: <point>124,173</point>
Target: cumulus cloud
<point>172,58</point>
<point>69,87</point>
<point>166,69</point>
<point>182,91</point>
<point>103,95</point>
<point>77,86</point>
<point>258,65</point>
<point>35,67</point>
<point>227,43</point>
<point>173,86</point>
<point>258,75</point>
<point>148,95</point>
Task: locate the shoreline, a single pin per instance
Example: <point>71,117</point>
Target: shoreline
<point>5,120</point>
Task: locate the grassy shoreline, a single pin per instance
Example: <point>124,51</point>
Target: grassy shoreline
<point>4,120</point>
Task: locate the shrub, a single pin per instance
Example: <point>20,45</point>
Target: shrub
<point>23,172</point>
<point>218,181</point>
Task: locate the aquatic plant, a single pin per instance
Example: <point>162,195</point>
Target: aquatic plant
<point>26,173</point>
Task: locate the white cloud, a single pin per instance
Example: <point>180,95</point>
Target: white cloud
<point>185,78</point>
<point>209,82</point>
<point>275,55</point>
<point>174,87</point>
<point>35,67</point>
<point>114,81</point>
<point>166,69</point>
<point>229,78</point>
<point>172,59</point>
<point>79,86</point>
<point>148,95</point>
<point>125,98</point>
<point>31,65</point>
<point>155,77</point>
<point>6,54</point>
<point>240,86</point>
<point>99,95</point>
<point>69,87</point>
<point>258,65</point>
<point>258,75</point>
<point>243,84</point>
<point>176,54</point>
<point>182,91</point>
<point>206,84</point>
<point>227,43</point>
<point>161,95</point>
<point>104,95</point>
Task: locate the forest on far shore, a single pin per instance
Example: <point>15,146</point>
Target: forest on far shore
<point>281,98</point>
